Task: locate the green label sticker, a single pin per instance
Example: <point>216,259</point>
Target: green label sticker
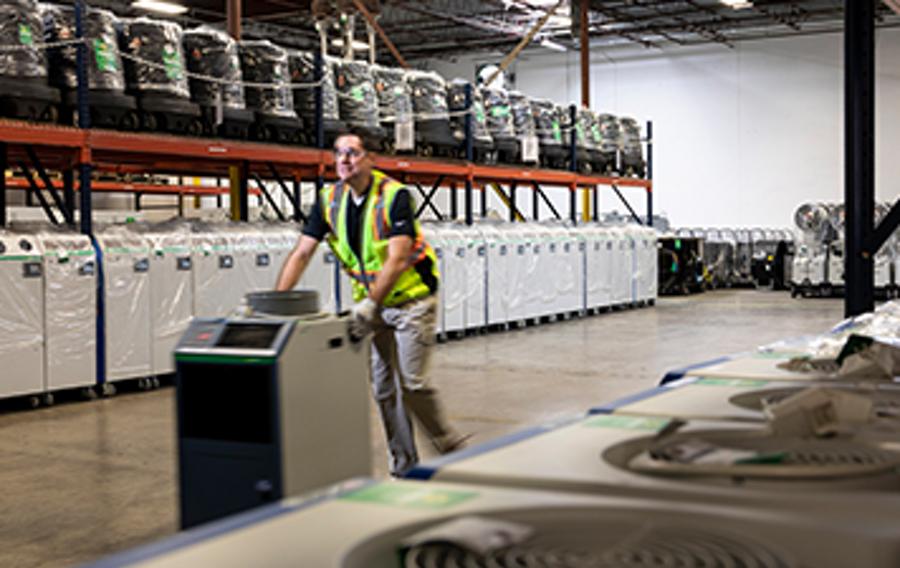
<point>25,35</point>
<point>714,382</point>
<point>172,63</point>
<point>106,60</point>
<point>595,132</point>
<point>627,422</point>
<point>357,93</point>
<point>479,112</point>
<point>410,497</point>
<point>557,131</point>
<point>500,111</point>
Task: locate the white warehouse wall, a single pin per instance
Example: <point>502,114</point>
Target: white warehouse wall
<point>741,136</point>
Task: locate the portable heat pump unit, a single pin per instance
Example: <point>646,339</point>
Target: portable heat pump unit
<point>442,525</point>
<point>70,310</point>
<point>298,385</point>
<point>22,329</point>
<point>126,287</point>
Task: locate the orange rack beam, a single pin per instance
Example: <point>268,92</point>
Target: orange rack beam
<point>158,189</point>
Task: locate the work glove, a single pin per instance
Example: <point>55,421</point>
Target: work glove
<point>362,319</point>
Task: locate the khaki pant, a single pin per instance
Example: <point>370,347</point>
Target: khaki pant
<point>401,352</point>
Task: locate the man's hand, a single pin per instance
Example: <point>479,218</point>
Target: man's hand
<point>362,319</point>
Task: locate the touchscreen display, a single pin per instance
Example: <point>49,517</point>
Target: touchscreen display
<point>252,335</point>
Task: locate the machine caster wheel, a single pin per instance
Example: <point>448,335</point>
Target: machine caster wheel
<point>49,114</point>
<point>427,150</point>
<point>195,128</point>
<point>108,389</point>
<point>129,122</point>
<point>149,122</point>
<point>144,384</point>
<point>88,393</point>
<point>49,399</point>
<point>155,382</point>
<point>33,402</point>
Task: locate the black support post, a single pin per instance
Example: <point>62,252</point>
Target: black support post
<point>69,192</point>
<point>243,193</point>
<point>573,138</point>
<point>84,121</point>
<point>483,201</point>
<point>454,205</point>
<point>573,204</point>
<point>470,152</point>
<point>512,202</point>
<point>535,203</point>
<point>595,215</point>
<point>650,172</point>
<point>859,154</point>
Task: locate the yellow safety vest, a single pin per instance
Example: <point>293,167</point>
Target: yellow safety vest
<point>374,246</point>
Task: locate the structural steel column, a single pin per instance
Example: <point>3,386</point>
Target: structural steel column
<point>585,56</point>
<point>859,153</point>
<point>234,18</point>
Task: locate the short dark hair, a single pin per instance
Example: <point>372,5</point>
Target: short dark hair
<point>346,132</point>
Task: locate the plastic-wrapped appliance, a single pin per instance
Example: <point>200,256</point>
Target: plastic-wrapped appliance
<point>126,298</point>
<point>588,153</point>
<point>718,257</point>
<point>476,277</point>
<point>499,283</point>
<point>482,142</point>
<point>599,161</point>
<point>631,161</point>
<point>566,274</point>
<point>214,55</point>
<point>521,266</point>
<point>22,308</point>
<point>395,107</point>
<point>214,291</point>
<point>171,288</point>
<point>610,135</point>
<point>70,310</point>
<point>109,106</point>
<point>524,126</point>
<point>553,145</point>
<point>598,267</point>
<point>499,119</point>
<point>540,288</point>
<point>434,134</point>
<point>272,98</point>
<point>622,266</point>
<point>358,102</point>
<point>454,278</point>
<point>24,92</point>
<point>402,523</point>
<point>647,261</point>
<point>155,75</point>
<point>303,72</point>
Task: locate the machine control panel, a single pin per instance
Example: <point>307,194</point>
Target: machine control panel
<point>237,337</point>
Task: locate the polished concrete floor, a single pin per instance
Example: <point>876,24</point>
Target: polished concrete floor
<point>82,480</point>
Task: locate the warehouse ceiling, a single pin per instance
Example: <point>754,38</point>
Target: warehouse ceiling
<point>444,28</point>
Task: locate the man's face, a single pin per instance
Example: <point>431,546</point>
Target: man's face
<point>350,158</point>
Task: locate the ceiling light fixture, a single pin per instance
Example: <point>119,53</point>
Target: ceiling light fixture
<point>737,4</point>
<point>160,6</point>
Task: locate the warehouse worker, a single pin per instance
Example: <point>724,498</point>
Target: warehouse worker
<point>367,219</point>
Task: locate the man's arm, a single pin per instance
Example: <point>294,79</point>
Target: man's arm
<point>296,263</point>
<point>399,250</point>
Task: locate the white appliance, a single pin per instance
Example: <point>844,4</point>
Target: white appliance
<point>252,262</point>
<point>499,282</point>
<point>21,316</point>
<point>171,289</point>
<point>541,292</point>
<point>452,287</point>
<point>522,262</point>
<point>126,286</point>
<point>476,278</point>
<point>647,265</point>
<point>714,461</point>
<point>740,399</point>
<point>217,288</point>
<point>622,266</point>
<point>599,264</point>
<point>70,310</point>
<point>566,269</point>
<point>402,523</point>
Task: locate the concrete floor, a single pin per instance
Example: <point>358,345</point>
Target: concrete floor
<point>83,480</point>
